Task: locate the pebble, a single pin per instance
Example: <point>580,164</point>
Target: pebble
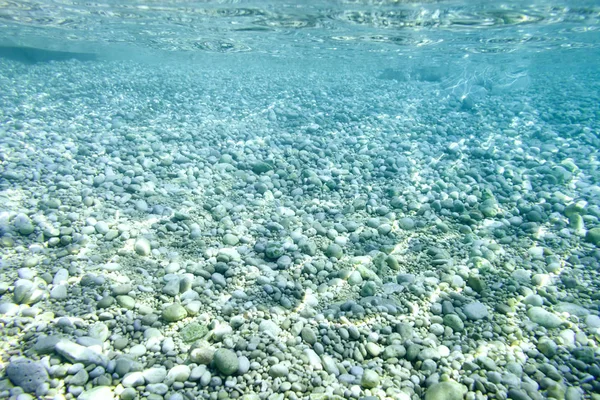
<point>155,375</point>
<point>27,374</point>
<point>370,379</point>
<point>80,378</point>
<point>544,318</point>
<point>334,251</point>
<point>179,373</point>
<point>269,327</point>
<point>77,353</point>
<point>226,361</point>
<point>476,311</point>
<point>174,313</point>
<point>142,247</point>
<point>453,321</point>
<point>308,335</point>
<point>23,224</point>
<point>97,393</point>
<point>279,370</point>
<point>133,379</point>
<point>449,390</point>
<point>59,292</point>
<point>157,388</point>
<point>99,331</point>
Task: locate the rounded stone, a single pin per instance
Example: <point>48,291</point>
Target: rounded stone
<point>279,370</point>
<point>308,335</point>
<point>126,302</point>
<point>334,251</point>
<point>155,375</point>
<point>226,361</point>
<point>179,373</point>
<point>97,393</point>
<point>373,349</point>
<point>453,321</point>
<point>106,302</point>
<point>593,236</point>
<point>269,327</point>
<point>128,394</point>
<point>99,331</point>
<point>192,332</point>
<point>202,355</point>
<point>27,374</point>
<point>544,318</point>
<point>23,224</point>
<point>370,379</point>
<point>133,379</point>
<point>230,239</point>
<point>449,390</point>
<point>142,247</point>
<point>174,313</point>
<point>406,223</point>
<point>475,311</point>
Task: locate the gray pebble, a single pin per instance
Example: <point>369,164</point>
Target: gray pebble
<point>27,374</point>
<point>544,318</point>
<point>279,370</point>
<point>476,311</point>
<point>308,335</point>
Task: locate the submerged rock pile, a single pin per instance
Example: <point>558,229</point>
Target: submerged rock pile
<point>165,235</point>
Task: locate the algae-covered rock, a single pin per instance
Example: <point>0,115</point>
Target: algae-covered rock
<point>192,332</point>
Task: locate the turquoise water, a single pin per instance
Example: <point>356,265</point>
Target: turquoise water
<point>299,200</point>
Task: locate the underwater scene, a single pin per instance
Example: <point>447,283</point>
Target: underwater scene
<point>319,199</point>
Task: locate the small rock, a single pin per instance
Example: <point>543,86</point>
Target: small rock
<point>593,236</point>
<point>373,349</point>
<point>279,370</point>
<point>157,388</point>
<point>46,344</point>
<point>125,301</point>
<point>308,335</point>
<point>80,378</point>
<point>544,318</point>
<point>202,355</point>
<point>230,240</point>
<point>453,321</point>
<point>406,223</point>
<point>475,311</point>
<point>142,247</point>
<point>334,251</point>
<point>192,332</point>
<point>76,353</point>
<point>23,224</point>
<point>226,361</point>
<point>269,327</point>
<point>179,373</point>
<point>99,331</point>
<point>106,302</point>
<point>27,374</point>
<point>133,379</point>
<point>59,292</point>
<point>370,379</point>
<point>97,393</point>
<point>174,313</point>
<point>449,390</point>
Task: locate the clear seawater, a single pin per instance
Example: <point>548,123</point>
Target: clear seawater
<point>459,138</point>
